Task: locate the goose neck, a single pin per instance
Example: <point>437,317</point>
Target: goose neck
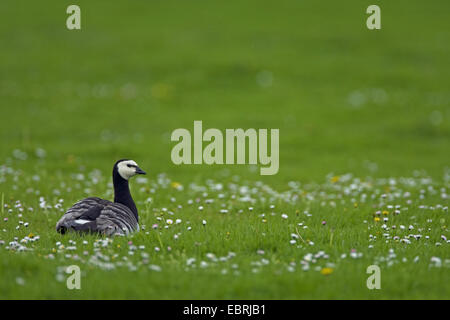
<point>122,193</point>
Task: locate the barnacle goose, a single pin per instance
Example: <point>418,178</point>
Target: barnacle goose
<point>95,215</point>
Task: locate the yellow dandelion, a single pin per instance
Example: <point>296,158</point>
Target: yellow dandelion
<point>385,213</point>
<point>175,185</point>
<point>377,219</point>
<point>161,91</point>
<point>326,271</point>
<point>335,179</point>
<point>70,158</point>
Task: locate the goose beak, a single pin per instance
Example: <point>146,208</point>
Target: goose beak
<point>140,171</point>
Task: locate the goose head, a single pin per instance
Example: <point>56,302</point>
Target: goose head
<point>127,168</point>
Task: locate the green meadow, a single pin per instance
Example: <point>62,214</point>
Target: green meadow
<point>364,148</point>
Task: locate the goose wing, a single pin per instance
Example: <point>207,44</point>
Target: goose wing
<point>116,218</point>
<point>97,215</point>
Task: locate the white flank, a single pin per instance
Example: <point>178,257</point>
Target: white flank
<point>82,221</point>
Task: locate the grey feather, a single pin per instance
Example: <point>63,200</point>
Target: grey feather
<point>98,216</point>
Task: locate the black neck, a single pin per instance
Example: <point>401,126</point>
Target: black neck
<point>122,193</point>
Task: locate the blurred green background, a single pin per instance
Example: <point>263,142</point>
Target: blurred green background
<point>345,98</point>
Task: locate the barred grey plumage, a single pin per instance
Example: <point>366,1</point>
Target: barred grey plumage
<point>96,215</point>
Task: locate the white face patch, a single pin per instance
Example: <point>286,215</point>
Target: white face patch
<point>125,171</point>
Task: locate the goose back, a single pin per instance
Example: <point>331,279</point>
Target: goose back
<point>96,215</point>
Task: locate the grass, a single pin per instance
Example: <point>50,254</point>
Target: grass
<point>372,104</point>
